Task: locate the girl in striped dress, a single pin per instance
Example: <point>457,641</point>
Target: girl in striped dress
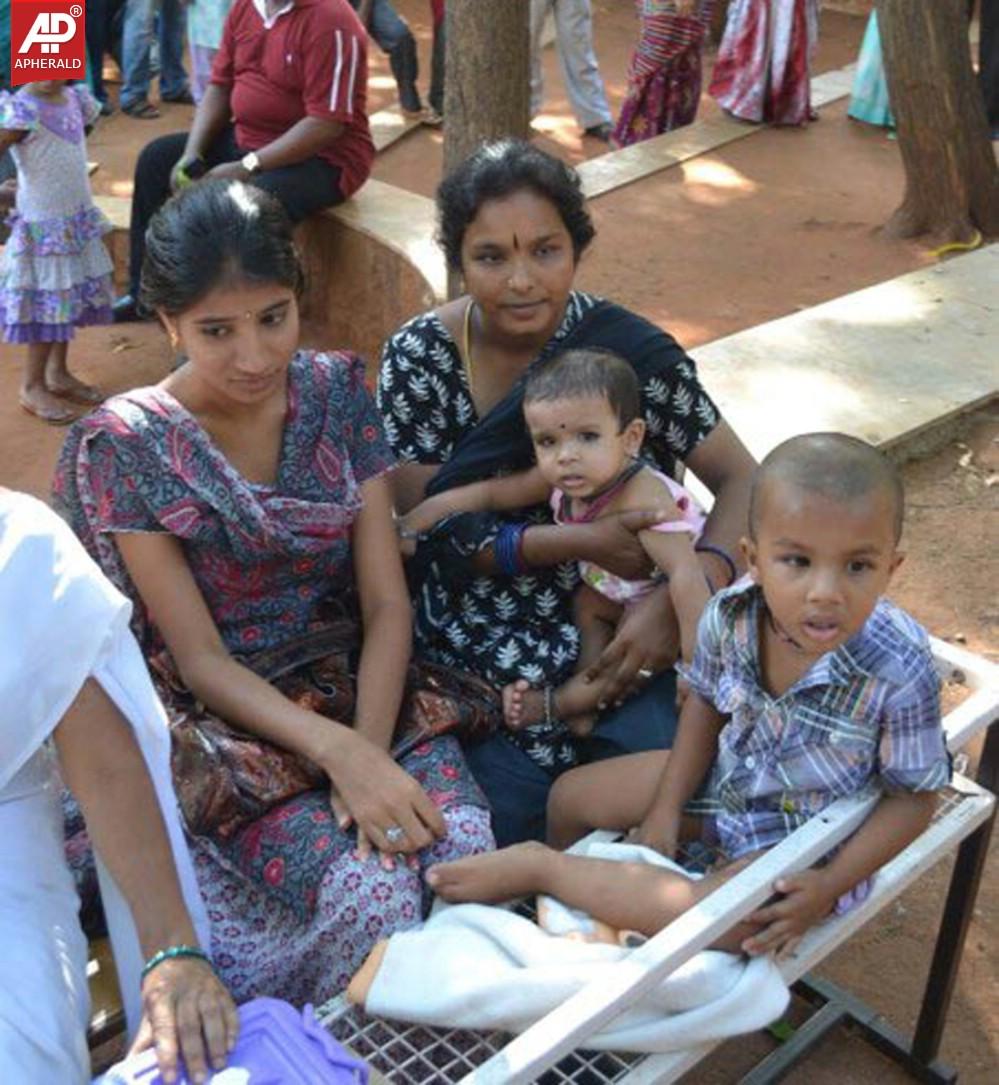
<point>664,77</point>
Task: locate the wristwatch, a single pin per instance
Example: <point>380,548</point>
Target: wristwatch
<point>250,162</point>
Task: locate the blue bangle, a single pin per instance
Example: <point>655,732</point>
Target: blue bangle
<point>169,954</point>
<point>709,548</point>
<point>506,549</point>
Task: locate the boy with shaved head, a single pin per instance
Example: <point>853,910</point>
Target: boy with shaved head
<point>806,686</point>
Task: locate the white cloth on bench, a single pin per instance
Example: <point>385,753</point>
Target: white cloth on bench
<point>480,967</point>
<point>61,622</point>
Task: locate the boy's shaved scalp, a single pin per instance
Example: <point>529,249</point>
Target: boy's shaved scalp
<point>590,371</point>
<point>833,465</point>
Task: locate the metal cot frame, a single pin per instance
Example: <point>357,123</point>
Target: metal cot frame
<point>553,1050</point>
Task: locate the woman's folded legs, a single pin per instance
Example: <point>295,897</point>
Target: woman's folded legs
<point>263,945</point>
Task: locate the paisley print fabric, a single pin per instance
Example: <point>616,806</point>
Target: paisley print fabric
<point>293,910</point>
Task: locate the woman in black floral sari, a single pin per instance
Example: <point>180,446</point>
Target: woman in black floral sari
<point>493,591</point>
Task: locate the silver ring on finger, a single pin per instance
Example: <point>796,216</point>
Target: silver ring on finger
<point>646,672</point>
<point>395,834</point>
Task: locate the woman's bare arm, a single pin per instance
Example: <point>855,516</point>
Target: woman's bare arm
<point>386,615</point>
<point>408,484</point>
<point>387,619</point>
<point>104,768</point>
<point>722,462</point>
<point>160,572</point>
<point>369,788</point>
<point>522,490</point>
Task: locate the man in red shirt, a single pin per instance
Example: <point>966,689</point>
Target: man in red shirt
<point>285,110</point>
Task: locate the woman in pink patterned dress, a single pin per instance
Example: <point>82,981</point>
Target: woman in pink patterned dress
<point>664,76</point>
<point>241,504</point>
<point>762,71</point>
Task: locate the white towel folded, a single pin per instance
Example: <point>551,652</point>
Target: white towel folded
<point>479,967</point>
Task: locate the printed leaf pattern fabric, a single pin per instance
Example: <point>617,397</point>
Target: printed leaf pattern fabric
<point>506,628</point>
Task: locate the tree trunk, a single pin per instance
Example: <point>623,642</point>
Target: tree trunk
<point>487,91</point>
<point>951,177</point>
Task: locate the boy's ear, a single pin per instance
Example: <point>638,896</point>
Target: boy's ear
<point>897,558</point>
<point>634,434</point>
<point>748,547</point>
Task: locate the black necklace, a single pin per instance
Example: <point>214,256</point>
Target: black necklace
<point>782,634</point>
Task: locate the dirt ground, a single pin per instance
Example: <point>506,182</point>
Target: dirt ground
<point>772,223</point>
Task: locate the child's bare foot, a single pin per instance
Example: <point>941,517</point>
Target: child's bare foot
<point>522,706</point>
<point>494,876</point>
<point>49,408</point>
<point>69,387</point>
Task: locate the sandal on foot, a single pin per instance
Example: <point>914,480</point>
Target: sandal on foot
<point>52,415</point>
<point>143,110</point>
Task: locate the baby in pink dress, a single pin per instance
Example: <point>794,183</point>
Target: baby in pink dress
<point>583,411</point>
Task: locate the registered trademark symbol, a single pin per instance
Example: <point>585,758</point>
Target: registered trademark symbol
<point>76,11</point>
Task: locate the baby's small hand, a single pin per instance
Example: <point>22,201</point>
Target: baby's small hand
<point>414,523</point>
<point>686,8</point>
<point>805,900</point>
<point>424,516</point>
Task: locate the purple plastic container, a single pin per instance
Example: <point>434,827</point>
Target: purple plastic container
<point>277,1045</point>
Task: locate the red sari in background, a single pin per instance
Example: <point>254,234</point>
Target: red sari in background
<point>664,76</point>
<point>762,71</point>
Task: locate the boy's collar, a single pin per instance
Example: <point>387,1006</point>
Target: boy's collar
<point>860,654</point>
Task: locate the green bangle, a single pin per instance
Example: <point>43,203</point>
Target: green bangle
<point>169,954</point>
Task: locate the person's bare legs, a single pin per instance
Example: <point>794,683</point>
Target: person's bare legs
<point>611,794</point>
<point>576,701</point>
<point>35,396</point>
<point>625,896</point>
<point>60,382</point>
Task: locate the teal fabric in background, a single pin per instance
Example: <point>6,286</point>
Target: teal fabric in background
<point>869,100</point>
